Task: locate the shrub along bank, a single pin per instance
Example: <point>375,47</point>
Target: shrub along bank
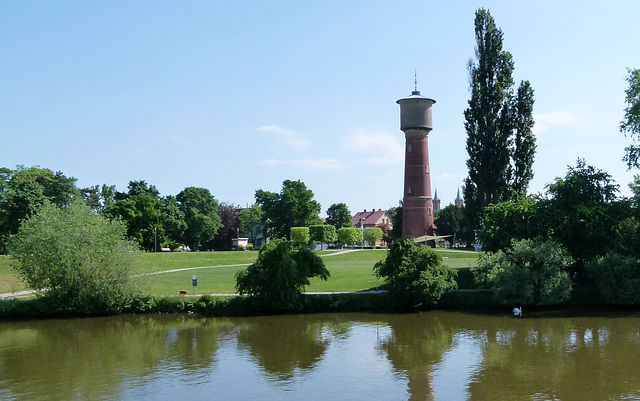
<point>464,300</point>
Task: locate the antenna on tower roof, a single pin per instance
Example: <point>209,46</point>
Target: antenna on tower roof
<point>415,75</point>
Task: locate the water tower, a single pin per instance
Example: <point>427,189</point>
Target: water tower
<point>416,122</point>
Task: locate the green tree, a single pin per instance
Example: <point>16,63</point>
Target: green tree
<point>339,215</point>
<point>107,195</point>
<point>300,235</point>
<point>82,261</point>
<point>250,220</point>
<point>350,235</point>
<point>493,117</point>
<point>517,218</point>
<point>294,206</point>
<point>91,196</point>
<point>582,213</point>
<point>24,190</point>
<point>528,273</point>
<point>372,235</point>
<point>173,222</point>
<point>630,125</point>
<point>616,269</point>
<point>452,220</point>
<point>523,146</point>
<point>280,275</point>
<point>415,274</point>
<point>201,215</point>
<point>396,219</point>
<point>617,277</point>
<point>323,233</point>
<point>140,187</point>
<point>142,214</point>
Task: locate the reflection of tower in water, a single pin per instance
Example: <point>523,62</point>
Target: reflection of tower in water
<point>416,123</point>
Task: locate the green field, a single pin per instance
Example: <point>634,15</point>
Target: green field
<point>9,279</point>
<point>216,271</point>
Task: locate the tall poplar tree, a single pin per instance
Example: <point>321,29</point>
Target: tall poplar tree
<point>523,146</point>
<point>630,126</point>
<point>500,142</point>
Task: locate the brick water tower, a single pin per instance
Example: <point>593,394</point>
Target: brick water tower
<point>416,122</point>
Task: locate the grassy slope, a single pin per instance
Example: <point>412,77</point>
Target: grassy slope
<point>349,272</point>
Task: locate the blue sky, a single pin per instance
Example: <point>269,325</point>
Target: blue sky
<point>239,96</point>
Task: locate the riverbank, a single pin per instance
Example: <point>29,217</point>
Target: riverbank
<point>351,288</point>
<point>583,300</point>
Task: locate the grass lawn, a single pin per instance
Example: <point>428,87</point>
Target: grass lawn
<point>458,259</point>
<point>161,261</point>
<point>349,272</point>
<point>9,280</point>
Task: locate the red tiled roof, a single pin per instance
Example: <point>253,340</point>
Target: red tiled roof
<point>372,218</point>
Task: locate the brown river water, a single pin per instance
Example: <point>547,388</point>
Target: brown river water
<point>423,356</point>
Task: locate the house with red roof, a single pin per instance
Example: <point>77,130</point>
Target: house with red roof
<point>372,218</point>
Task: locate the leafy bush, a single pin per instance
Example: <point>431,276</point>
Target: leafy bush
<point>415,274</point>
<point>141,304</point>
<point>300,235</point>
<point>349,235</point>
<point>617,278</point>
<point>280,274</point>
<point>529,273</point>
<point>373,235</point>
<point>82,261</point>
<point>323,233</point>
<point>517,218</point>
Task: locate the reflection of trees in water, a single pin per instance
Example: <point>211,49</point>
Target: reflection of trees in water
<point>579,358</point>
<point>193,344</point>
<point>418,341</point>
<point>90,358</point>
<point>283,344</point>
<point>530,358</point>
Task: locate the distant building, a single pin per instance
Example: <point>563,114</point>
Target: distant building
<point>459,201</point>
<point>373,218</point>
<point>436,201</point>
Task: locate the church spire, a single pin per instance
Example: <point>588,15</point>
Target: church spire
<point>459,201</point>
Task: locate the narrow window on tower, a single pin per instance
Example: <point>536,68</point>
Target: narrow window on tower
<point>409,190</point>
<point>429,211</point>
<point>408,147</point>
<point>426,169</point>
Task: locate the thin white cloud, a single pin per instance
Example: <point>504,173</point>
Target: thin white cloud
<point>289,138</point>
<point>307,164</point>
<point>368,147</point>
<point>547,120</point>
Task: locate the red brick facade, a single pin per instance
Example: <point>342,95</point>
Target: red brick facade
<point>416,122</point>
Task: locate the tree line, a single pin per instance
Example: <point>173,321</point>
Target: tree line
<point>537,248</point>
<point>193,218</point>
